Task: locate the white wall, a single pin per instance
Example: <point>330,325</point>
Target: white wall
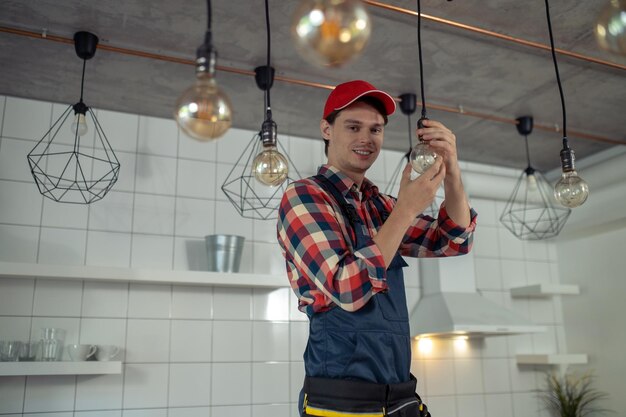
<point>216,351</point>
<point>594,321</point>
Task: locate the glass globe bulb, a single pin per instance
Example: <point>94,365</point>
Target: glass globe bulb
<point>571,190</point>
<point>531,182</point>
<point>79,125</point>
<point>203,111</point>
<point>422,157</point>
<point>270,167</point>
<point>610,27</point>
<point>330,32</point>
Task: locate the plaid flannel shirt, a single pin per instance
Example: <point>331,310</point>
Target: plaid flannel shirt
<point>324,269</point>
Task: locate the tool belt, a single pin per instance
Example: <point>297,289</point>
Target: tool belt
<point>327,397</point>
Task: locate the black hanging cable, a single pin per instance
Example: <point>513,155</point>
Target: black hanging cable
<point>410,126</point>
<point>419,47</point>
<point>527,151</point>
<point>269,50</point>
<point>82,81</point>
<point>558,78</point>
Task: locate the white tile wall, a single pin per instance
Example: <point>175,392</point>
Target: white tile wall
<point>201,351</point>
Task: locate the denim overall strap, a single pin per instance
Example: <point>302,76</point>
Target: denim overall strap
<point>370,344</point>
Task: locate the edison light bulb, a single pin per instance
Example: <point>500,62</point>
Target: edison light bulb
<point>611,27</point>
<point>571,190</point>
<point>330,32</point>
<point>203,111</point>
<point>531,182</point>
<point>422,156</point>
<point>270,167</point>
<point>79,125</point>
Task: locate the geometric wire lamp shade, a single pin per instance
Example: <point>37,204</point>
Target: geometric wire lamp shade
<point>531,212</point>
<point>253,199</point>
<point>70,164</point>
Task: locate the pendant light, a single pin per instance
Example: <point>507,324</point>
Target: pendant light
<point>68,167</point>
<point>330,33</point>
<point>422,156</point>
<point>531,213</point>
<point>258,180</point>
<point>570,190</point>
<point>203,111</point>
<point>610,28</point>
<point>408,105</point>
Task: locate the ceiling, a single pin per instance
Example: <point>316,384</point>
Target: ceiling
<point>481,83</point>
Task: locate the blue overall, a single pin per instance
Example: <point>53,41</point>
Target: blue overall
<point>373,343</point>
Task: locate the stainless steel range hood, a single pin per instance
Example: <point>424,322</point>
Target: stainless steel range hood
<point>451,306</point>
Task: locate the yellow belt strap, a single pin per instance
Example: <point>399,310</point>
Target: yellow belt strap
<point>312,411</point>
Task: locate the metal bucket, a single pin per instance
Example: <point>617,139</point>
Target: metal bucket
<point>224,252</point>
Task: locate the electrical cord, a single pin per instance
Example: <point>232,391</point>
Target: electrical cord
<point>558,77</point>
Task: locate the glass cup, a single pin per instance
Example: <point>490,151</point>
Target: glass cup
<point>52,342</point>
<point>9,351</point>
<point>28,351</point>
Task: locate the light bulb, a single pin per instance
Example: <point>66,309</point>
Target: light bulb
<point>422,156</point>
<point>270,167</point>
<point>571,190</point>
<point>330,32</point>
<point>79,125</point>
<point>610,27</point>
<point>531,182</point>
<point>203,111</point>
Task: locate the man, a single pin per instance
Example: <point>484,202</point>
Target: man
<point>342,242</point>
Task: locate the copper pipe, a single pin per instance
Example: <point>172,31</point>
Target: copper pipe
<point>166,58</point>
<point>495,34</point>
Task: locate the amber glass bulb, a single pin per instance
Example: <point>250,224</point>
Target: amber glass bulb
<point>270,167</point>
<point>611,27</point>
<point>571,190</point>
<point>330,32</point>
<point>203,111</point>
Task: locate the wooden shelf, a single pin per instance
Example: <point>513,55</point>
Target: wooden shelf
<point>545,290</point>
<point>144,276</point>
<point>552,359</point>
<point>60,368</point>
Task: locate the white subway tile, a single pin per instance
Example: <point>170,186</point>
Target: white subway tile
<point>232,410</point>
<point>472,405</point>
<point>306,154</point>
<point>270,382</point>
<point>150,412</point>
<point>228,221</point>
<point>520,344</point>
<point>296,374</point>
<point>16,296</point>
<point>526,404</point>
<point>230,384</point>
<point>542,310</point>
<point>150,301</point>
<point>439,376</point>
<point>108,249</point>
<point>265,231</point>
<point>441,405</point>
<point>510,246</point>
<point>58,298</point>
<point>294,313</point>
<point>495,347</point>
<point>126,176</point>
<point>194,149</point>
<point>145,385</point>
<point>298,337</point>
<point>190,254</point>
<point>120,129</point>
<point>232,144</point>
<point>153,214</point>
<point>190,384</point>
<point>513,273</point>
<point>20,203</point>
<point>270,304</point>
<point>497,378</point>
<point>272,410</point>
<point>68,414</point>
<point>114,213</point>
<point>105,299</point>
<point>546,342</point>
<point>62,246</point>
<point>194,218</point>
<point>104,332</point>
<point>498,405</point>
<point>15,328</point>
<point>196,179</point>
<point>101,393</point>
<point>13,165</point>
<point>191,341</point>
<point>488,273</point>
<point>64,215</point>
<point>49,393</point>
<point>155,175</point>
<point>522,377</point>
<point>270,341</point>
<point>468,376</point>
<point>157,136</point>
<point>268,259</point>
<point>18,243</point>
<point>536,250</point>
<point>232,341</point>
<point>419,372</point>
<point>154,252</point>
<point>189,302</point>
<point>486,210</point>
<point>486,242</point>
<point>232,303</point>
<point>26,119</point>
<point>538,272</point>
<point>11,394</point>
<point>189,412</point>
<point>148,341</point>
<point>99,413</point>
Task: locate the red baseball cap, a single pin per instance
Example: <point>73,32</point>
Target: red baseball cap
<point>347,93</point>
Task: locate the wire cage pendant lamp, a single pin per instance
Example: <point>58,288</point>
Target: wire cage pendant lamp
<point>259,178</point>
<point>68,164</point>
<point>531,212</point>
